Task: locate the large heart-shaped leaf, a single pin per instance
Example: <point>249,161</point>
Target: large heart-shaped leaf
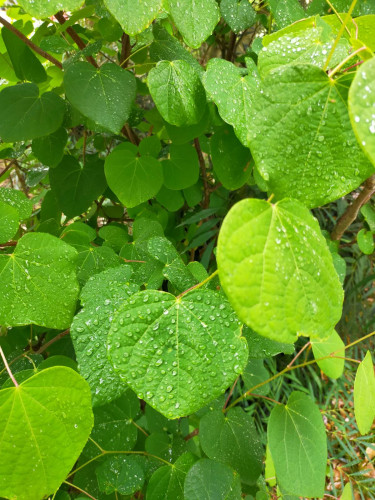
<point>25,115</point>
<point>100,297</point>
<point>176,88</point>
<point>362,107</point>
<point>38,282</point>
<point>195,20</point>
<point>104,95</point>
<point>298,445</point>
<point>41,9</point>
<point>277,270</point>
<point>134,15</point>
<point>301,138</point>
<point>174,351</point>
<point>45,424</point>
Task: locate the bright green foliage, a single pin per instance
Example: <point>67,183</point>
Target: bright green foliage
<point>332,367</point>
<point>324,145</point>
<point>50,149</point>
<point>181,170</point>
<point>90,328</point>
<point>297,442</point>
<point>178,92</point>
<point>366,27</point>
<point>103,95</point>
<point>26,115</point>
<point>277,270</point>
<point>238,14</point>
<point>256,374</point>
<point>9,220</point>
<point>121,474</point>
<point>365,240</point>
<point>173,352</point>
<point>195,20</point>
<point>75,185</point>
<point>132,178</point>
<point>39,283</point>
<point>167,482</point>
<point>364,394</point>
<point>134,15</point>
<point>42,8</point>
<point>262,347</point>
<point>286,13</point>
<point>347,492</point>
<point>48,419</point>
<point>208,480</point>
<point>233,440</point>
<point>17,200</point>
<point>361,107</point>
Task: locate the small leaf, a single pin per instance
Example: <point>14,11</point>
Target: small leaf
<point>276,268</point>
<point>103,95</point>
<point>119,473</point>
<point>173,352</point>
<point>167,482</point>
<point>239,14</point>
<point>255,373</point>
<point>46,421</point>
<point>101,296</point>
<point>38,283</point>
<point>9,221</point>
<point>42,9</point>
<point>134,179</point>
<point>76,186</point>
<point>178,92</point>
<point>365,240</point>
<point>26,115</point>
<point>233,440</point>
<point>364,395</point>
<point>18,200</point>
<point>286,13</point>
<point>298,445</point>
<point>194,20</point>
<point>209,480</point>
<point>50,149</point>
<point>134,15</point>
<point>182,169</point>
<point>332,367</point>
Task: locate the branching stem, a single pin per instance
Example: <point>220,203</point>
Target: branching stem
<point>8,369</point>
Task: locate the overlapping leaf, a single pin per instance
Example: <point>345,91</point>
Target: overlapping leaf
<point>364,394</point>
<point>134,15</point>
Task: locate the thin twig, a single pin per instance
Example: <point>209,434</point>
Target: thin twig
<point>79,489</point>
<point>31,44</point>
<point>52,341</point>
<point>230,393</point>
<point>8,369</point>
<point>194,433</point>
<point>206,198</point>
<point>352,211</point>
<point>198,285</point>
<point>299,353</point>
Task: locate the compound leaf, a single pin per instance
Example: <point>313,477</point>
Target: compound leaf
<point>277,271</point>
<point>173,352</point>
<point>45,424</point>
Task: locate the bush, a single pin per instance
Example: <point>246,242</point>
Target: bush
<point>181,230</point>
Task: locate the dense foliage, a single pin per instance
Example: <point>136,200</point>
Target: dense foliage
<point>181,218</point>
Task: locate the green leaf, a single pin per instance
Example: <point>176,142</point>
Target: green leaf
<point>361,107</point>
<point>134,15</point>
<point>347,492</point>
<point>114,236</point>
<point>298,445</point>
<point>41,9</point>
<point>230,159</point>
<point>301,119</point>
<point>255,373</point>
<point>178,92</point>
<point>277,271</point>
<point>9,221</point>
<point>366,27</point>
<point>18,200</point>
<point>103,95</point>
<point>170,199</point>
<point>182,169</point>
<point>76,186</point>
<point>262,347</point>
<point>120,473</point>
<point>238,14</point>
<point>39,283</point>
<point>50,149</point>
<point>26,115</point>
<point>332,367</point>
<point>194,20</point>
<point>92,260</point>
<point>233,440</point>
<point>209,480</point>
<point>364,395</point>
<point>26,65</point>
<point>173,352</point>
<point>286,13</point>
<point>134,179</point>
<point>365,240</point>
<point>368,212</point>
<point>167,483</point>
<point>233,94</point>
<point>100,297</point>
<point>47,419</point>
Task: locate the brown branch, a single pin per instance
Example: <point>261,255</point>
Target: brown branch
<point>206,198</point>
<point>351,212</point>
<point>75,37</point>
<point>195,432</point>
<point>125,50</point>
<point>130,134</point>
<point>52,341</point>
<point>231,47</point>
<point>29,43</point>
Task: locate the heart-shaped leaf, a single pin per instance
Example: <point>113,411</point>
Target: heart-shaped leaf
<point>134,15</point>
<point>41,9</point>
